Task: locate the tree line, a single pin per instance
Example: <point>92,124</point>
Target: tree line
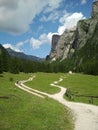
<point>16,65</point>
<point>89,63</point>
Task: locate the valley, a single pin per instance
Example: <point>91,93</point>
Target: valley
<point>59,92</point>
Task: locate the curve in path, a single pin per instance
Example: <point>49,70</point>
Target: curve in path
<point>20,84</point>
<point>85,115</point>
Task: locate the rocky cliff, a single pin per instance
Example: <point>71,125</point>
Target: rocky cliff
<point>73,40</point>
<point>64,44</point>
<point>55,39</point>
<point>95,10</point>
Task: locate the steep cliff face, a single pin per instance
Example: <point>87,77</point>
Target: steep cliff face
<point>64,44</point>
<point>75,39</point>
<point>61,44</point>
<point>55,39</point>
<point>86,58</point>
<point>95,10</point>
<point>85,30</point>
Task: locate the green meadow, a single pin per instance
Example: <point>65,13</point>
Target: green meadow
<point>80,84</point>
<point>42,82</point>
<point>22,111</point>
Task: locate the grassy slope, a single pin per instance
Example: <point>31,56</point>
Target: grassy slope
<point>23,111</point>
<point>82,84</point>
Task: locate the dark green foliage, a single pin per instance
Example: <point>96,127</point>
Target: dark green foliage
<point>1,67</point>
<point>11,79</point>
<point>4,57</point>
<point>86,59</point>
<point>14,65</point>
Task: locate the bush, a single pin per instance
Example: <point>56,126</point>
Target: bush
<point>11,79</point>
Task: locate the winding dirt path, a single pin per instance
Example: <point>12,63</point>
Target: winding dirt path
<point>85,115</point>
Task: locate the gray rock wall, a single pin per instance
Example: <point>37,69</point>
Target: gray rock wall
<point>64,46</point>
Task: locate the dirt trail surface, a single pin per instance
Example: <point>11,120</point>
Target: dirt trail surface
<point>85,115</point>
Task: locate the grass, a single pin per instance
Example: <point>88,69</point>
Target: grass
<point>43,80</point>
<point>81,84</point>
<point>23,111</point>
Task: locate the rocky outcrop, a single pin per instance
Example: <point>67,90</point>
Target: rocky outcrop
<point>64,43</point>
<point>74,39</point>
<point>95,10</point>
<point>84,31</point>
<point>61,44</point>
<point>55,39</point>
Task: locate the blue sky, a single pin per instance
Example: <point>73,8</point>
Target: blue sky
<point>28,25</point>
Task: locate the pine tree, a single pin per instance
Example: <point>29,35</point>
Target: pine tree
<point>1,69</point>
<point>14,65</point>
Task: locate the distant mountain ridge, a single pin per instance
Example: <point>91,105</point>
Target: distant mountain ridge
<point>22,55</point>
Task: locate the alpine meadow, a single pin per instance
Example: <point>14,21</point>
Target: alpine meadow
<point>49,65</point>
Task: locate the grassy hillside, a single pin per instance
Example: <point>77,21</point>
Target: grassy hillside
<point>81,84</point>
<point>22,111</point>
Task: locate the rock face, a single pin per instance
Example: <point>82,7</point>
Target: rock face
<point>84,31</point>
<point>76,38</point>
<point>64,44</point>
<point>95,10</point>
<point>55,39</point>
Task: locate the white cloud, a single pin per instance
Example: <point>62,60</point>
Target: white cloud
<point>17,47</point>
<point>51,17</point>
<point>8,45</point>
<point>35,43</point>
<point>49,36</point>
<point>43,39</point>
<point>17,15</point>
<point>68,21</point>
<point>52,5</point>
<point>83,1</point>
<point>19,44</point>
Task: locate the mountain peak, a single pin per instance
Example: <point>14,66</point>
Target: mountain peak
<point>21,55</point>
<point>74,39</point>
<point>95,9</point>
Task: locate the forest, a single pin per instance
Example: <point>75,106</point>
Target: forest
<point>16,65</point>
